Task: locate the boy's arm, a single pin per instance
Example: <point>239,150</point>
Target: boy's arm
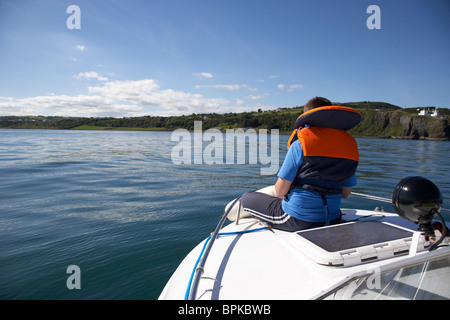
<point>282,187</point>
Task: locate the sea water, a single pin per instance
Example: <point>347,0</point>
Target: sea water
<point>114,204</point>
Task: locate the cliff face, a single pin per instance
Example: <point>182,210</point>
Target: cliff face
<point>424,128</point>
<point>401,125</point>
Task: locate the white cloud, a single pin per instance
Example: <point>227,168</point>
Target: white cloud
<point>257,97</point>
<point>202,75</point>
<point>126,90</point>
<point>122,99</point>
<point>63,105</point>
<point>90,75</point>
<point>80,48</point>
<point>230,87</point>
<point>292,87</point>
<point>239,102</point>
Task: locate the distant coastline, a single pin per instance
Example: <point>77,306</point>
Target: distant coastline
<point>380,120</point>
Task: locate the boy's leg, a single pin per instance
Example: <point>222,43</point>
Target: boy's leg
<point>268,209</point>
<point>265,208</point>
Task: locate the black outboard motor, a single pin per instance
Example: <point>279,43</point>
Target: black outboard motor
<point>419,200</point>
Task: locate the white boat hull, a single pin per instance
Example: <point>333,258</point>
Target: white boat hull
<point>269,265</point>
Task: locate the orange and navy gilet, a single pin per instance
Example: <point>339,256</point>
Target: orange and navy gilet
<point>330,154</point>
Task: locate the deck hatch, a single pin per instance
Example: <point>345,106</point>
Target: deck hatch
<point>353,235</point>
<point>353,243</point>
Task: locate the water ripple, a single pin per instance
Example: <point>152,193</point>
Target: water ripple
<point>115,204</point>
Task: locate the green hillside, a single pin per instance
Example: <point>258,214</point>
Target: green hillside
<point>380,119</point>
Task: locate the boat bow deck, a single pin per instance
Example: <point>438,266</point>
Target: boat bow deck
<point>273,264</point>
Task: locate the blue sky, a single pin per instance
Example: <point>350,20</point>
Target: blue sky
<point>171,57</point>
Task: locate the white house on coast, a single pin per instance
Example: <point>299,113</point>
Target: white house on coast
<point>432,112</point>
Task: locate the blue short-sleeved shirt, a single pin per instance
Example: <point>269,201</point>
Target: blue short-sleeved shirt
<point>303,204</point>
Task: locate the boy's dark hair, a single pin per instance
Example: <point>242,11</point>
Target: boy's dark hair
<point>316,102</point>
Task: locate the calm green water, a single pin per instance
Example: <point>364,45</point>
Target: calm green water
<point>114,204</point>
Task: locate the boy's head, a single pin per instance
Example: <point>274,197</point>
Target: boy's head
<point>316,102</point>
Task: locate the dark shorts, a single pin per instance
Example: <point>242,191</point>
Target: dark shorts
<point>269,210</point>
